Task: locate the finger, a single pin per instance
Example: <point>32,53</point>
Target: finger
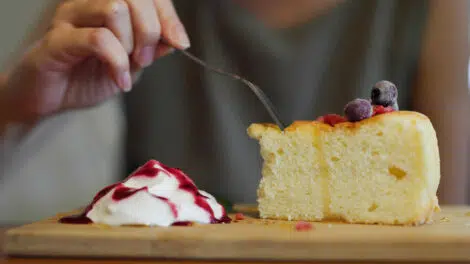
<point>67,46</point>
<point>163,50</point>
<point>173,30</point>
<point>146,28</point>
<point>112,14</point>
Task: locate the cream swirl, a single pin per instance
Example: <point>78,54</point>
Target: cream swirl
<point>153,195</point>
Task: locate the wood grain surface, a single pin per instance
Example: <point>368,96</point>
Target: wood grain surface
<point>448,239</point>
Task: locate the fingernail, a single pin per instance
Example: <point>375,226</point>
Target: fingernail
<point>125,81</point>
<point>145,56</point>
<point>164,51</point>
<point>182,37</point>
<point>168,51</point>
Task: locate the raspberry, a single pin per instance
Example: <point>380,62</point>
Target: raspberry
<point>379,109</point>
<point>331,119</point>
<point>239,216</point>
<point>303,226</point>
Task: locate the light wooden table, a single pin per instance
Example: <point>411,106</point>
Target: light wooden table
<point>5,260</point>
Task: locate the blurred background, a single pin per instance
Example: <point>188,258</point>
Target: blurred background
<point>63,183</point>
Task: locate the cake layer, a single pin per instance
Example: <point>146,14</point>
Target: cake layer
<point>384,169</point>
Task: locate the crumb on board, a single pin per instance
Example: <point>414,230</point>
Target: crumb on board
<point>467,214</point>
<point>330,225</point>
<point>303,226</point>
<point>445,219</point>
<point>239,216</point>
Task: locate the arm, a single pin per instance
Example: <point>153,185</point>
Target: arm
<point>4,112</point>
<point>442,93</point>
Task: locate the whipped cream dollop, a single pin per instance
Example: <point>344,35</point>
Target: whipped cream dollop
<point>153,195</point>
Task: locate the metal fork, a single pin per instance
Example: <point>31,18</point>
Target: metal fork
<point>255,89</point>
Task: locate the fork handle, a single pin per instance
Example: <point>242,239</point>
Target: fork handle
<point>268,105</point>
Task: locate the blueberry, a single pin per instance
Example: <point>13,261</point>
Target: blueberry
<point>385,93</point>
<point>358,109</point>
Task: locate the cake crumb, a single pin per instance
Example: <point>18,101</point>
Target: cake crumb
<point>239,216</point>
<point>303,226</point>
<point>467,225</point>
<point>467,214</point>
<point>445,219</point>
<point>330,225</point>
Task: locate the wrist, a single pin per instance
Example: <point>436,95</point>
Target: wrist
<point>13,108</point>
<point>3,112</point>
<point>10,113</point>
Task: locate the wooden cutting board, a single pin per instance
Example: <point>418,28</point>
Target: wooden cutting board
<point>448,239</point>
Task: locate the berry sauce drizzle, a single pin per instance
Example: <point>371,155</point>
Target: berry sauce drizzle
<point>149,169</point>
<point>82,218</point>
<point>333,119</point>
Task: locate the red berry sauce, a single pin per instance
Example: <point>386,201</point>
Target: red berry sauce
<point>303,226</point>
<point>379,109</point>
<point>149,170</point>
<point>182,223</point>
<point>331,119</point>
<point>239,216</point>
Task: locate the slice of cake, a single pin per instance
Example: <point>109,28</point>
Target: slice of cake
<point>374,165</point>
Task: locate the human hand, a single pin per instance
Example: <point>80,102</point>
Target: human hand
<point>93,51</point>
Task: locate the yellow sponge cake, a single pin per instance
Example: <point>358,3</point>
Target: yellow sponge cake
<point>383,168</point>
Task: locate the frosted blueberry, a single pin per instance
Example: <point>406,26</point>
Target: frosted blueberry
<point>358,109</point>
<point>385,93</point>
